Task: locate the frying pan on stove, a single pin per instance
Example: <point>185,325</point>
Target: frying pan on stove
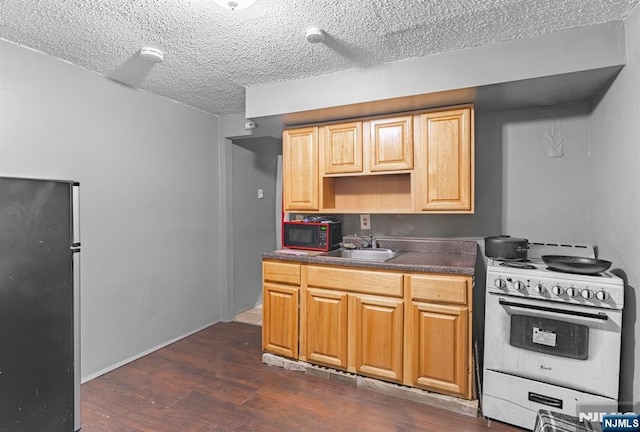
<point>572,264</point>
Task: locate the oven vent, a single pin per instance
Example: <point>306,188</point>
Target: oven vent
<point>538,249</point>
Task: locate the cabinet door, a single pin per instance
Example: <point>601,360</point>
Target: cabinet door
<point>300,169</point>
<point>378,336</point>
<point>391,144</point>
<point>342,148</point>
<point>446,152</point>
<point>326,327</point>
<point>439,348</point>
<point>280,319</point>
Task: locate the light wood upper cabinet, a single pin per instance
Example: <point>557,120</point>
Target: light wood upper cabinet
<point>391,143</point>
<point>342,148</point>
<point>445,150</point>
<point>300,169</point>
<point>417,162</point>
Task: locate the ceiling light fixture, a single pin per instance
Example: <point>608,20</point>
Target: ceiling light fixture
<point>235,4</point>
<point>315,35</point>
<point>153,55</point>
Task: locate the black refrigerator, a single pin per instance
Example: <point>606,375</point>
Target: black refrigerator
<point>39,306</point>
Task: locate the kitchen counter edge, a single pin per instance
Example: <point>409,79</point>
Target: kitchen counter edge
<point>461,263</point>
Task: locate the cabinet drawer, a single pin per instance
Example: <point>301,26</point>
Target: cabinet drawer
<point>436,288</point>
<point>281,272</point>
<point>363,281</point>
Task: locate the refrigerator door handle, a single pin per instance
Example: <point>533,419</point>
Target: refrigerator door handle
<point>76,214</point>
<point>77,376</point>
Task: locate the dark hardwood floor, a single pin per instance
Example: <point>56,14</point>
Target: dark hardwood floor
<point>214,380</point>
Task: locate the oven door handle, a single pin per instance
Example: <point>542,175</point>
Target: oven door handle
<point>599,316</point>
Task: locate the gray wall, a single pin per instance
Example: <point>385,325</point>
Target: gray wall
<point>254,165</point>
<point>614,179</point>
<point>577,49</point>
<point>150,264</point>
<point>520,189</point>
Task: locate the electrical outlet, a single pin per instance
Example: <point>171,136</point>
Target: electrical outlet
<point>260,193</point>
<point>365,222</point>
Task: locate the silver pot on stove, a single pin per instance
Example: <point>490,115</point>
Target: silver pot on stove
<point>505,247</point>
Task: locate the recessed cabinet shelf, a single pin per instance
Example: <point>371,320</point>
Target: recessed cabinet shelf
<point>417,162</point>
<point>391,192</point>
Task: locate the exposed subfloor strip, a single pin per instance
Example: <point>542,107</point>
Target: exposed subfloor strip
<point>458,405</point>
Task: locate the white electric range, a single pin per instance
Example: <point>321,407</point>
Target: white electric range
<point>552,339</point>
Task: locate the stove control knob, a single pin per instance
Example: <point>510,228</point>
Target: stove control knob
<point>602,295</point>
<point>540,289</point>
<point>557,290</point>
<point>500,283</point>
<point>587,294</point>
<point>572,292</point>
<point>519,285</point>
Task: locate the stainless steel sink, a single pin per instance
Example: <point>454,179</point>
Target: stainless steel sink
<point>379,254</point>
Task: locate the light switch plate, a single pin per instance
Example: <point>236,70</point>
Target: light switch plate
<point>365,222</point>
<point>260,193</point>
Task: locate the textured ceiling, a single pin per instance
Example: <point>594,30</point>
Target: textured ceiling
<point>211,54</point>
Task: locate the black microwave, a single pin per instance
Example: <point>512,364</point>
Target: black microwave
<point>317,236</point>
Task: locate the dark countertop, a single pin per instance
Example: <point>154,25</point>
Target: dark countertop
<point>422,255</point>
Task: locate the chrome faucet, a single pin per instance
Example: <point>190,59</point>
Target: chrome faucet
<point>365,243</point>
<point>372,243</point>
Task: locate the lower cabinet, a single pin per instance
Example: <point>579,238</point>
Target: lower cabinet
<point>439,333</point>
<point>353,319</point>
<point>440,348</point>
<point>280,302</point>
<point>326,327</point>
<point>358,333</point>
<point>378,329</point>
<point>409,328</point>
<point>280,320</point>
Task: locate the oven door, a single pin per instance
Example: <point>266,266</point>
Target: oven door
<point>567,345</point>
